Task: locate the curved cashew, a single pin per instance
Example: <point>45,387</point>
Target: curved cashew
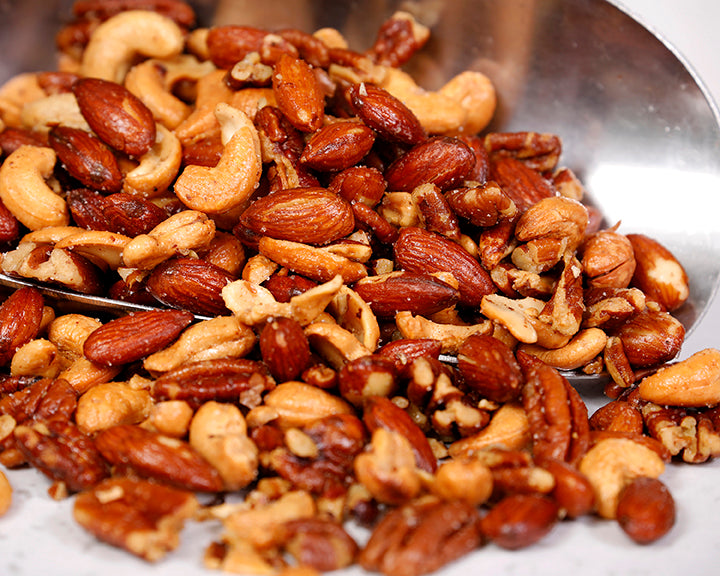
<point>229,184</point>
<point>581,349</point>
<point>335,344</point>
<point>146,81</point>
<point>53,110</point>
<point>24,191</point>
<point>110,404</point>
<point>355,315</point>
<point>69,331</point>
<point>38,357</point>
<point>508,428</point>
<point>158,167</point>
<point>50,235</point>
<point>451,335</point>
<point>101,247</point>
<point>221,337</point>
<point>476,95</point>
<point>15,94</point>
<point>171,418</point>
<point>182,232</point>
<point>116,42</point>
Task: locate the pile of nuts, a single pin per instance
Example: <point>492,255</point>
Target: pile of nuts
<point>365,305</point>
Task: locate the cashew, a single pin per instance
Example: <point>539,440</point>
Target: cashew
<point>38,357</point>
<point>171,418</point>
<point>451,335</point>
<point>219,433</point>
<point>581,349</point>
<point>612,464</point>
<point>517,315</point>
<point>116,43</point>
<point>236,176</point>
<point>180,233</point>
<point>84,374</point>
<point>335,344</point>
<point>111,404</point>
<point>146,81</point>
<point>53,110</point>
<point>103,248</point>
<point>221,337</point>
<point>508,428</point>
<point>15,94</point>
<point>69,331</point>
<point>470,481</point>
<point>475,93</point>
<point>157,168</point>
<point>50,235</point>
<point>24,191</point>
<point>5,494</point>
<point>355,315</point>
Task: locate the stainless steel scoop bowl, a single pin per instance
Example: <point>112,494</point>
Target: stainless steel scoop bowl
<point>637,127</point>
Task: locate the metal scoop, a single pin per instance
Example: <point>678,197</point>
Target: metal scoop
<point>637,126</point>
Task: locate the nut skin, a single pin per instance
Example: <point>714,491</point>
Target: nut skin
<point>522,184</point>
<point>359,184</point>
<point>646,510</point>
<point>118,117</point>
<point>441,160</point>
<point>338,146</point>
<point>367,376</point>
<point>651,337</point>
<point>20,318</point>
<point>420,251</point>
<point>298,93</point>
<point>519,520</point>
<point>284,348</point>
<point>134,336</point>
<point>488,368</point>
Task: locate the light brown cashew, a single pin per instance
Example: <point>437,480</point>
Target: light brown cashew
<point>101,247</point>
<point>335,344</point>
<point>24,191</point>
<point>476,95</point>
<point>146,81</point>
<point>110,404</point>
<point>38,357</point>
<point>182,232</point>
<point>15,94</point>
<point>53,110</point>
<point>355,315</point>
<point>157,168</point>
<point>508,428</point>
<point>581,349</point>
<point>221,337</point>
<point>116,42</point>
<point>50,235</point>
<point>451,335</point>
<point>69,331</point>
<point>236,176</point>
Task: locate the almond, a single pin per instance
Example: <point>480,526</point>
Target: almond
<point>118,117</point>
<point>135,336</point>
<point>20,318</point>
<point>442,160</point>
<point>423,294</point>
<point>338,146</point>
<point>418,250</point>
<point>298,93</point>
<point>658,273</point>
<point>522,184</point>
<point>520,520</point>
<point>284,348</point>
<point>381,412</point>
<point>360,184</point>
<point>386,114</point>
<point>190,284</point>
<point>86,158</point>
<point>307,215</point>
<point>231,43</point>
<point>488,368</point>
<point>651,337</point>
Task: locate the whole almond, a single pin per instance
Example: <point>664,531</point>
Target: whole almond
<point>420,251</point>
<point>20,318</point>
<point>441,160</point>
<point>360,184</point>
<point>658,273</point>
<point>522,184</point>
<point>646,510</point>
<point>118,117</point>
<point>284,348</point>
<point>520,520</point>
<point>386,114</point>
<point>132,337</point>
<point>190,284</point>
<point>307,215</point>
<point>488,368</point>
<point>229,44</point>
<point>86,158</point>
<point>423,294</point>
<point>338,146</point>
<point>298,93</point>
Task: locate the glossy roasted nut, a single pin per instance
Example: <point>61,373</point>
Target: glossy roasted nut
<point>6,492</point>
<point>485,205</point>
<point>337,146</point>
<point>190,284</point>
<point>651,338</point>
<point>582,348</point>
<point>422,537</point>
<point>441,160</point>
<point>646,510</point>
<point>320,543</point>
<point>508,428</point>
<point>435,212</point>
<point>284,348</point>
<point>142,517</point>
<point>469,481</point>
<point>694,381</point>
<point>608,259</point>
<point>489,369</point>
<point>135,336</point>
<point>162,458</point>
<point>20,320</point>
<point>618,415</point>
<point>420,251</point>
<point>62,452</point>
<point>536,150</point>
<point>366,376</point>
<point>402,352</point>
<point>520,520</point>
<point>572,491</point>
<point>521,183</point>
<point>86,158</point>
<point>658,273</point>
<point>118,117</point>
<point>359,184</point>
<point>306,215</point>
<point>298,93</point>
<point>129,215</point>
<point>109,404</point>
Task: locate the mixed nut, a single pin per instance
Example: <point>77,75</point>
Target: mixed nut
<point>364,305</point>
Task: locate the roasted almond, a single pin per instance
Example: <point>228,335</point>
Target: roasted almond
<point>190,284</point>
<point>338,146</point>
<point>284,348</point>
<point>86,158</point>
<point>420,251</point>
<point>522,184</point>
<point>298,93</point>
<point>441,160</point>
<point>520,520</point>
<point>229,44</point>
<point>20,318</point>
<point>488,368</point>
<point>118,117</point>
<point>423,294</point>
<point>386,114</point>
<point>132,337</point>
<point>307,215</point>
<point>360,184</point>
<point>651,337</point>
